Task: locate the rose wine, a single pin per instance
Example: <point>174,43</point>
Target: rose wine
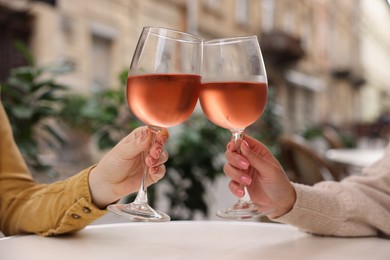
<point>233,105</point>
<point>163,100</point>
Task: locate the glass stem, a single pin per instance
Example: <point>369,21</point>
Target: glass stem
<point>238,137</point>
<point>142,196</point>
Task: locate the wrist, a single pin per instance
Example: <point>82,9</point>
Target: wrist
<point>286,205</point>
<point>101,196</point>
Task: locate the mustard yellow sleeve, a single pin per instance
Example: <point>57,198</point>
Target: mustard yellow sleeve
<point>52,209</point>
<point>29,207</point>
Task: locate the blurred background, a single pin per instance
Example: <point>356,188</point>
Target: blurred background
<point>63,67</point>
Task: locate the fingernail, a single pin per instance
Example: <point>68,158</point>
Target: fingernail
<point>163,139</point>
<point>155,170</point>
<point>158,152</point>
<point>245,145</point>
<point>240,193</point>
<point>228,146</point>
<point>246,180</point>
<point>243,164</point>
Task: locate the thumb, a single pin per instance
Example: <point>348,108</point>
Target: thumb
<point>134,143</point>
<point>258,156</point>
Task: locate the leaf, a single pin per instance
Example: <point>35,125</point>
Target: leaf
<point>59,68</point>
<point>105,141</point>
<point>39,85</point>
<point>123,77</point>
<point>42,112</point>
<point>22,112</point>
<point>56,86</point>
<point>17,84</point>
<point>22,48</point>
<point>27,74</point>
<point>46,95</point>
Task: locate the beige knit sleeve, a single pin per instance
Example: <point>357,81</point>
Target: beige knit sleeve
<point>356,206</point>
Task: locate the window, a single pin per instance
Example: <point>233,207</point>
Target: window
<point>49,2</point>
<point>307,32</point>
<point>212,4</point>
<point>242,12</point>
<point>289,18</point>
<point>268,12</point>
<point>103,37</point>
<point>101,63</point>
<point>14,26</point>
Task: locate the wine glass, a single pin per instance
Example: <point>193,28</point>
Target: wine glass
<point>163,87</point>
<point>233,96</point>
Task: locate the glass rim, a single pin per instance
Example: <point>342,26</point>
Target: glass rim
<point>189,37</point>
<point>230,40</point>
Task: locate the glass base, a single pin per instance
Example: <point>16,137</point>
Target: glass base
<point>242,210</point>
<point>139,212</point>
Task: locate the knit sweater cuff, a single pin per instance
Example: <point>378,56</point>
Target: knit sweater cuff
<point>315,210</point>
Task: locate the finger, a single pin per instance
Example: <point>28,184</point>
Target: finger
<point>259,156</point>
<point>231,146</point>
<point>256,146</point>
<point>158,146</point>
<point>162,136</point>
<point>156,173</point>
<point>156,150</point>
<point>163,157</point>
<point>236,189</point>
<point>236,160</point>
<point>151,162</point>
<point>237,175</point>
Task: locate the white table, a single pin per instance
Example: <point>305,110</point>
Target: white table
<point>193,240</point>
<point>355,157</point>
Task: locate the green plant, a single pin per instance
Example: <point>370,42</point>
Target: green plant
<point>104,114</point>
<point>31,98</point>
<point>111,118</point>
<point>312,132</point>
<point>196,157</point>
<point>71,112</point>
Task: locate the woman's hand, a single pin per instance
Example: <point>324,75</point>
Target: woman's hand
<point>120,171</point>
<point>263,175</point>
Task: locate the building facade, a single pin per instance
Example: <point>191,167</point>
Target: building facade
<point>326,60</point>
